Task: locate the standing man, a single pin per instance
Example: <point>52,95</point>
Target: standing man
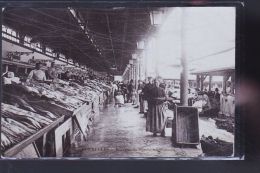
<point>147,95</point>
<point>124,90</point>
<point>217,95</point>
<point>130,89</point>
<point>140,88</point>
<point>37,74</point>
<point>52,72</point>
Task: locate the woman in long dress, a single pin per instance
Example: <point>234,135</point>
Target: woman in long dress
<point>156,119</point>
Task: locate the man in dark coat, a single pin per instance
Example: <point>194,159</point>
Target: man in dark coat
<point>130,89</point>
<point>140,92</point>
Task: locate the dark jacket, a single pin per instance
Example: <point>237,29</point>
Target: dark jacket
<point>147,90</point>
<point>130,88</point>
<point>157,92</point>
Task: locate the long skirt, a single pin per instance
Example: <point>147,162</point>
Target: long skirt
<point>155,120</point>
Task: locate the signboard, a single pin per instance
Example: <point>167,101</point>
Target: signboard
<point>16,56</point>
<point>43,61</point>
<point>13,56</point>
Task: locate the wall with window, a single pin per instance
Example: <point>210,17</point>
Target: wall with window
<point>11,43</point>
<point>9,34</point>
<point>12,47</point>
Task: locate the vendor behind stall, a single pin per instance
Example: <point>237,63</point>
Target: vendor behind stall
<point>37,74</point>
<point>52,72</point>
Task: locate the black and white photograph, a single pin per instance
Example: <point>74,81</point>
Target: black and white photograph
<point>119,82</point>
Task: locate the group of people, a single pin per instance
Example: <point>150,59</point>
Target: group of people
<point>154,95</point>
<point>124,92</point>
<point>38,74</point>
<point>150,96</point>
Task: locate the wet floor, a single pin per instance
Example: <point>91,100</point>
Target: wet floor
<point>120,132</point>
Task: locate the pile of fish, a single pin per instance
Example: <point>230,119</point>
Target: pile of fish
<point>29,107</point>
<point>25,104</point>
<point>87,91</point>
<point>67,95</point>
<point>59,96</point>
<point>95,85</point>
<point>79,92</point>
<point>18,124</point>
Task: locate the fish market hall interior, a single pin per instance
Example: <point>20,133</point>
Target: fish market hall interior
<point>118,82</point>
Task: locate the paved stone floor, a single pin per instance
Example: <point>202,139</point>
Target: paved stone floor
<point>120,132</point>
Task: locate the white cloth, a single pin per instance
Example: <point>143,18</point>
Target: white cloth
<point>10,74</point>
<point>145,105</point>
<point>119,99</point>
<point>37,75</point>
<point>228,90</point>
<point>168,113</point>
<point>206,98</point>
<point>10,80</point>
<point>114,87</point>
<point>227,105</point>
<point>230,105</point>
<point>199,104</point>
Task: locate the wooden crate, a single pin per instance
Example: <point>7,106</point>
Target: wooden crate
<point>186,126</point>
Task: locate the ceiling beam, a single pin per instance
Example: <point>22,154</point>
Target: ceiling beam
<point>82,24</point>
<point>90,58</point>
<point>123,39</point>
<point>111,41</point>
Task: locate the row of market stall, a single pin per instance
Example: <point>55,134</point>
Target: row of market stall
<point>43,119</point>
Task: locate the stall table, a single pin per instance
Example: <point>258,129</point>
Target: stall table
<point>18,148</point>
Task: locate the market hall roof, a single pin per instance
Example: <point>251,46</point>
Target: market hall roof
<point>215,72</point>
<point>99,38</point>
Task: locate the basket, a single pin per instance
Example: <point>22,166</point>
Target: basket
<point>216,147</point>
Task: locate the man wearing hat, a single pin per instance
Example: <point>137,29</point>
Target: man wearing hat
<point>37,74</point>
